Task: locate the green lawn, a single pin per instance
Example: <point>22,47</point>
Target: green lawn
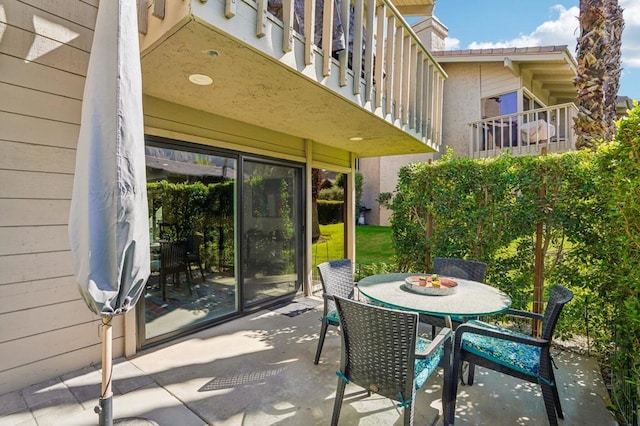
<point>373,244</point>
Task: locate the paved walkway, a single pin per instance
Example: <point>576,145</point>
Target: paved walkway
<point>259,370</point>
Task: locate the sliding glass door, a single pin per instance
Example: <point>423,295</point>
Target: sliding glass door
<point>271,230</point>
<point>218,249</point>
<point>192,199</point>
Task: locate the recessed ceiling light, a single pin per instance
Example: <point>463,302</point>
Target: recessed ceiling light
<point>355,138</point>
<point>200,79</point>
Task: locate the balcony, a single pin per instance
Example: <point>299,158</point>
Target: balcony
<point>525,133</point>
<point>383,96</point>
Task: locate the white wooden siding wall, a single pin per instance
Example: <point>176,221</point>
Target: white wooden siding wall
<point>496,79</point>
<point>45,327</point>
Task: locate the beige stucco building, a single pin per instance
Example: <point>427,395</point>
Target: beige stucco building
<point>271,101</point>
<point>521,99</point>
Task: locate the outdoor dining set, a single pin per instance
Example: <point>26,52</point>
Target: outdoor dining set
<point>382,319</point>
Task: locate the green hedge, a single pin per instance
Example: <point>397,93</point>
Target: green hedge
<point>330,211</point>
<point>489,210</point>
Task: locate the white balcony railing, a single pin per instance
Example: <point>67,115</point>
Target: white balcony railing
<point>384,67</point>
<point>525,133</point>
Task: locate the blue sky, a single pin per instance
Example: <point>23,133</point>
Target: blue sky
<point>475,24</point>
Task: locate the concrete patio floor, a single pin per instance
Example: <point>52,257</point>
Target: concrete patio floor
<point>258,370</point>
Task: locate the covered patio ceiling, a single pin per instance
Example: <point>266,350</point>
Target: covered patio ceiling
<point>251,86</point>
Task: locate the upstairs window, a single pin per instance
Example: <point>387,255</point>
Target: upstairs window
<point>500,105</point>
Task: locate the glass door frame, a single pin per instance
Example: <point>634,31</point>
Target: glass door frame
<point>300,245</point>
<point>299,224</point>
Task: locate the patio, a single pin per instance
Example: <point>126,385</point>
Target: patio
<point>258,370</point>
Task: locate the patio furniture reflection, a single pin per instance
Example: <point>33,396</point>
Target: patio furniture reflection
<point>381,351</point>
<point>192,255</point>
<point>513,353</point>
<point>337,279</point>
<point>172,262</point>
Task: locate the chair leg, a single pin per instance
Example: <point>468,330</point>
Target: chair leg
<point>446,392</point>
<point>471,373</point>
<point>163,285</point>
<point>337,405</point>
<point>556,396</point>
<point>453,390</point>
<point>202,272</point>
<point>548,396</point>
<point>323,332</point>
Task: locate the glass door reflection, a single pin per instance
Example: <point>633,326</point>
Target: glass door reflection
<point>271,231</point>
<point>192,232</point>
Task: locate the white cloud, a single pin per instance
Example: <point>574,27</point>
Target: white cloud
<point>631,33</point>
<point>563,30</point>
<point>451,43</point>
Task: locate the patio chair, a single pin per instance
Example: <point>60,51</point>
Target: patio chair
<point>337,279</point>
<point>382,352</point>
<point>172,262</point>
<point>513,353</point>
<point>456,268</point>
<point>193,254</point>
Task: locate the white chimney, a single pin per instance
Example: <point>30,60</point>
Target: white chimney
<point>431,33</point>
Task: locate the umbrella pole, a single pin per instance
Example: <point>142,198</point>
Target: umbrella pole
<point>106,395</point>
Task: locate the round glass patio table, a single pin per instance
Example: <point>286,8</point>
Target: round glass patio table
<point>471,298</point>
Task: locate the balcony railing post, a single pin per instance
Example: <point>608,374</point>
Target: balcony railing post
<point>327,36</point>
<point>309,30</point>
<point>261,18</point>
<point>287,20</point>
<point>381,58</point>
<point>356,62</point>
<point>368,49</point>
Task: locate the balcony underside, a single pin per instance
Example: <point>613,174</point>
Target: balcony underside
<point>254,82</point>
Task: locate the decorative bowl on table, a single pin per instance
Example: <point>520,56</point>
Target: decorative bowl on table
<point>423,284</point>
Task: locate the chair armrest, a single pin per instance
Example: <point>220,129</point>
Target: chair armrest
<point>525,314</point>
<point>327,296</point>
<point>443,338</point>
<point>498,334</point>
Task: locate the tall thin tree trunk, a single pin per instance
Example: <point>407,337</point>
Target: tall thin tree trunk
<point>590,122</point>
<point>598,79</point>
<point>615,26</point>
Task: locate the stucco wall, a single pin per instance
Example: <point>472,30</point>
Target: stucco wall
<point>381,175</point>
<point>461,105</point>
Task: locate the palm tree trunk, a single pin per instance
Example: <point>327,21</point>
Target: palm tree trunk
<point>615,26</point>
<point>590,122</point>
<point>598,79</point>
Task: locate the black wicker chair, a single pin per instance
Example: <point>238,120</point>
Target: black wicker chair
<point>337,279</point>
<point>513,353</point>
<point>381,352</point>
<point>456,268</point>
<point>193,255</point>
<point>172,262</point>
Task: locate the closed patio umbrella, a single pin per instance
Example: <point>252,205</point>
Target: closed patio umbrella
<point>108,219</point>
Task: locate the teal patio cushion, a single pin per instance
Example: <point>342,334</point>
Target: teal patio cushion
<point>424,367</point>
<point>333,316</point>
<point>521,357</point>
